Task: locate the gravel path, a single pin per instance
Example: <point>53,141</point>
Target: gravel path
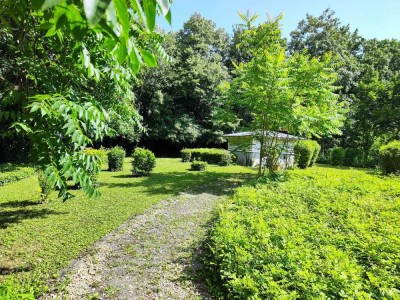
<point>152,256</point>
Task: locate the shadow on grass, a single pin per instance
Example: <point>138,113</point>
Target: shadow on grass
<point>16,216</point>
<point>176,182</point>
<point>23,203</point>
<point>13,270</point>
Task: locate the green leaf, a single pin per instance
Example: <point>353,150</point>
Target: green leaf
<point>95,9</point>
<point>149,58</point>
<point>164,6</point>
<point>50,3</point>
<point>150,12</point>
<point>61,21</point>
<point>123,15</point>
<point>168,17</point>
<point>121,52</point>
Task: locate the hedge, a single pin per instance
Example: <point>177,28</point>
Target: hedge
<point>306,153</point>
<point>214,156</point>
<point>143,161</point>
<point>116,158</point>
<point>389,156</point>
<point>337,156</point>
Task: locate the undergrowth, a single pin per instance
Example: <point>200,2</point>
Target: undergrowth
<point>321,233</point>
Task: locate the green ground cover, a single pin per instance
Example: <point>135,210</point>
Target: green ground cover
<point>37,240</point>
<point>323,233</point>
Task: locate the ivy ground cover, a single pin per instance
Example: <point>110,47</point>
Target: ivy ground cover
<point>322,233</point>
<point>38,240</point>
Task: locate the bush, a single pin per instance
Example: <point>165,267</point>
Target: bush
<point>143,161</point>
<point>214,156</point>
<point>390,157</point>
<point>116,158</point>
<point>186,155</point>
<point>337,156</point>
<point>306,153</point>
<point>310,237</point>
<point>198,165</point>
<point>45,187</point>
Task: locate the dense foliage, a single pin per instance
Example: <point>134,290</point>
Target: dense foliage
<point>66,76</point>
<point>390,157</point>
<point>323,234</point>
<point>369,81</point>
<point>177,100</point>
<point>143,162</point>
<point>220,157</point>
<point>198,165</point>
<point>115,157</point>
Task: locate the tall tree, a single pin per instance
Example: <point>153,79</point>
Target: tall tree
<point>295,93</point>
<point>178,109</point>
<point>325,33</point>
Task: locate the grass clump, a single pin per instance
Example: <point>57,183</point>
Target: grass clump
<point>325,233</point>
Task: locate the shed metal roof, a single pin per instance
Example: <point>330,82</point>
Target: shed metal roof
<point>280,135</point>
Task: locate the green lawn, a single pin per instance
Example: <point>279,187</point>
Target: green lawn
<point>37,240</point>
<point>321,233</point>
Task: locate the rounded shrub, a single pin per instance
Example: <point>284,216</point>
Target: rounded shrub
<point>337,156</point>
<point>389,156</point>
<point>143,162</point>
<point>116,158</point>
<point>304,151</point>
<point>198,165</point>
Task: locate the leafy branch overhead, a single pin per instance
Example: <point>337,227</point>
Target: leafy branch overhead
<point>68,65</point>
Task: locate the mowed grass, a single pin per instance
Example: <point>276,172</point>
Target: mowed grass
<point>320,233</point>
<point>38,240</point>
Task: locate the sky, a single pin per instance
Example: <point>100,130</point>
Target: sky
<point>373,18</point>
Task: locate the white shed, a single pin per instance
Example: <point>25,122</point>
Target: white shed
<point>247,148</point>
